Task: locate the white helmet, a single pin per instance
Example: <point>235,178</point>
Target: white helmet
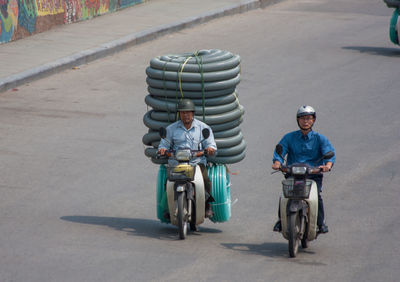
<point>306,111</point>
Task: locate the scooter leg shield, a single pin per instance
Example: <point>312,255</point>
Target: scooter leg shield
<point>172,207</point>
<point>283,204</point>
<point>313,212</point>
<point>199,196</point>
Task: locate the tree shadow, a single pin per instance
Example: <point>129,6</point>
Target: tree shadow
<point>136,226</point>
<point>381,51</point>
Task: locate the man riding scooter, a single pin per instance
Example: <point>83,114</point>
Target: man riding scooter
<point>187,133</point>
<point>306,146</point>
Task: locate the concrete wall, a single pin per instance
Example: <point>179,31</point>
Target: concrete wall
<point>21,18</point>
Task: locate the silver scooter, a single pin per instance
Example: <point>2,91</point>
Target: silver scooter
<point>186,195</point>
<point>298,203</point>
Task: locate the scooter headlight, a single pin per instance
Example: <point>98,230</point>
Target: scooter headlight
<point>299,170</point>
<point>183,155</point>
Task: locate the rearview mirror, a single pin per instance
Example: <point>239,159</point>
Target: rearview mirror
<point>206,133</point>
<point>329,155</point>
<point>163,132</point>
<point>279,149</point>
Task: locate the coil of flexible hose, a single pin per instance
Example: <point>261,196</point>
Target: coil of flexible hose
<point>392,3</point>
<point>394,27</point>
<point>207,77</point>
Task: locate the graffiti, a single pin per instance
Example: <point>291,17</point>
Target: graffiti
<point>127,3</point>
<point>27,14</point>
<point>50,7</point>
<point>4,8</point>
<point>90,8</point>
<point>8,19</point>
<point>19,15</point>
<point>72,11</point>
<point>112,5</point>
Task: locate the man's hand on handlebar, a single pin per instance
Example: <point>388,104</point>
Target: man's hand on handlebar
<point>276,165</point>
<point>210,151</point>
<point>325,168</point>
<point>164,153</point>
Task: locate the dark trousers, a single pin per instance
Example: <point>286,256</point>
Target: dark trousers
<point>207,181</point>
<point>321,213</point>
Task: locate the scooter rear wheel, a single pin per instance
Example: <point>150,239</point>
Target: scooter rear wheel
<point>293,228</point>
<point>182,224</point>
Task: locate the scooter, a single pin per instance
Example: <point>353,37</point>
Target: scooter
<point>186,195</point>
<point>299,203</point>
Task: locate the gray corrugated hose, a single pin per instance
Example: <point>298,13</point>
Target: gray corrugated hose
<point>392,3</point>
<point>207,77</point>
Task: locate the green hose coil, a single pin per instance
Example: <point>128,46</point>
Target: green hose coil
<point>162,202</point>
<point>220,191</point>
<point>393,32</point>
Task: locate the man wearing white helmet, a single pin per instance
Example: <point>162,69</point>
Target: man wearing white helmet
<point>306,146</point>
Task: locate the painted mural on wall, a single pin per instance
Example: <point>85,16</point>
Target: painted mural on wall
<point>20,18</point>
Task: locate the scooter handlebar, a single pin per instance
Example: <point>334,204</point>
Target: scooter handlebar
<point>287,169</point>
<point>170,153</point>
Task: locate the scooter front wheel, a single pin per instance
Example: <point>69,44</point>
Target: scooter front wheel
<point>304,241</point>
<point>293,228</point>
<point>182,209</point>
<point>192,224</point>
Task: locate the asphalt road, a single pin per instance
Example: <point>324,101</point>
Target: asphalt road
<point>77,194</point>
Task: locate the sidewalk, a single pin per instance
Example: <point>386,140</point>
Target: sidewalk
<point>74,44</point>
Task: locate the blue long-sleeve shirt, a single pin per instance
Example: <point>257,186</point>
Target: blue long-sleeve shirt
<point>305,149</point>
<point>179,138</point>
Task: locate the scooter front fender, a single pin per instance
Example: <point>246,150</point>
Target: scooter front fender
<point>313,212</point>
<point>293,206</point>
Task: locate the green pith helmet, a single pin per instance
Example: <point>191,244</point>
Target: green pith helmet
<point>186,105</point>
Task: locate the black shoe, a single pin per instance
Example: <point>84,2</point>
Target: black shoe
<point>278,226</point>
<point>166,216</point>
<point>323,229</point>
<point>209,213</point>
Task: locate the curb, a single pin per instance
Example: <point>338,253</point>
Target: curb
<point>130,40</point>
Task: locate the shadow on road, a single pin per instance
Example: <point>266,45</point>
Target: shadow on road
<point>136,226</point>
<point>381,51</point>
<point>266,249</point>
<point>272,250</point>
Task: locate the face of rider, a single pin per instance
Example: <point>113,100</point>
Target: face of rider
<point>306,122</point>
<point>186,118</point>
